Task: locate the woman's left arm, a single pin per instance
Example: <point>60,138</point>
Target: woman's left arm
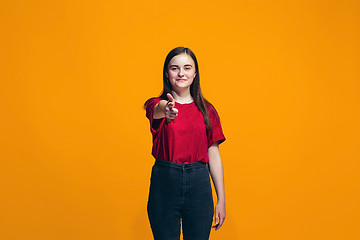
<point>217,175</point>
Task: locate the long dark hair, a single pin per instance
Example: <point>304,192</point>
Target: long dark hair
<point>195,89</point>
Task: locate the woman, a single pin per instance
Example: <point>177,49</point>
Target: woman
<point>186,133</point>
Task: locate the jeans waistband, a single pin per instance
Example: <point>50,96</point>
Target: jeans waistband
<point>194,165</point>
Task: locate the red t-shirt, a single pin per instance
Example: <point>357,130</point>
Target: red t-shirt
<point>185,139</point>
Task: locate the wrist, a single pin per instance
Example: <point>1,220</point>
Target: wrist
<point>221,201</point>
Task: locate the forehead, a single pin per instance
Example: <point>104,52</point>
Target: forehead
<point>181,59</point>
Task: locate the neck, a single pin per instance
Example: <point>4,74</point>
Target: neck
<point>182,96</point>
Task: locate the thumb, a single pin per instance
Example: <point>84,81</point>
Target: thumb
<point>170,97</point>
<point>216,219</point>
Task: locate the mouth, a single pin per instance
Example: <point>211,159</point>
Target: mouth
<point>180,79</point>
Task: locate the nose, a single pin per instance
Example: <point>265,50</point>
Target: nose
<point>181,73</point>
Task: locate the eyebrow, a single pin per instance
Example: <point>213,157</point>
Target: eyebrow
<point>177,65</point>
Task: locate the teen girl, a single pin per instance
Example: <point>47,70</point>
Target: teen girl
<point>186,133</point>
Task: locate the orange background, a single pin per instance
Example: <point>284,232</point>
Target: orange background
<point>76,145</point>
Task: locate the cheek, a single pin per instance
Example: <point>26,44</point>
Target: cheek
<point>191,75</point>
<point>172,74</point>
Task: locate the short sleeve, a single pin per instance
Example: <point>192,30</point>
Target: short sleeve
<point>155,124</point>
<point>216,134</point>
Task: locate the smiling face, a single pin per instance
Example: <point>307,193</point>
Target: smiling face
<point>181,71</point>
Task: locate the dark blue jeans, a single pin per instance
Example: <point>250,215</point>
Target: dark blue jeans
<point>180,192</point>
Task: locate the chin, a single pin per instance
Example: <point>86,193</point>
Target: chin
<point>182,85</point>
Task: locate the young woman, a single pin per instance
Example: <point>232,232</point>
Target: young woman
<point>186,133</point>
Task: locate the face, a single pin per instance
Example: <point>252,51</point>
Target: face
<point>181,71</point>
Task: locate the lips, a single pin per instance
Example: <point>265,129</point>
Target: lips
<point>180,79</point>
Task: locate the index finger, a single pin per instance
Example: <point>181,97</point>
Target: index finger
<point>220,223</point>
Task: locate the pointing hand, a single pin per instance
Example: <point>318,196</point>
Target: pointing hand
<point>170,111</point>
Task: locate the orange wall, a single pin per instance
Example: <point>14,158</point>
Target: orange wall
<point>76,147</point>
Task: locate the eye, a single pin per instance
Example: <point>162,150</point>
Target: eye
<point>187,68</point>
<point>173,68</point>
